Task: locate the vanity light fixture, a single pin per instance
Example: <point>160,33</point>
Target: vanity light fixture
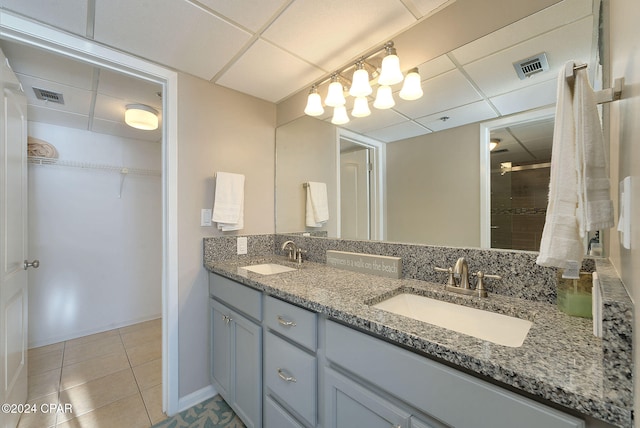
<point>335,95</point>
<point>411,88</point>
<point>493,143</point>
<point>360,107</point>
<point>388,73</point>
<point>340,116</point>
<point>141,116</point>
<point>314,103</point>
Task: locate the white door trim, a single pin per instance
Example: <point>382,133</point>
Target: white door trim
<point>16,28</point>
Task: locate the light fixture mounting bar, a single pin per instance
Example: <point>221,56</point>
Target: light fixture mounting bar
<point>362,58</point>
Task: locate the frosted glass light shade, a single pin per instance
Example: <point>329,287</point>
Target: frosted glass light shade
<point>390,72</point>
<point>361,107</point>
<point>314,105</point>
<point>340,115</point>
<point>411,89</point>
<point>141,116</point>
<point>335,95</point>
<point>384,98</point>
<point>360,86</point>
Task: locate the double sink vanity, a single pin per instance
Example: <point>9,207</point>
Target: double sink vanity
<point>311,345</point>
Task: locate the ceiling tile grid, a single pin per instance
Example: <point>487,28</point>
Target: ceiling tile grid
<point>68,15</point>
<point>252,14</point>
<point>400,131</point>
<point>171,32</point>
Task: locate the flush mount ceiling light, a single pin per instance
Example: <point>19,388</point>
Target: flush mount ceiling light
<point>141,116</point>
<point>388,73</point>
<point>493,143</point>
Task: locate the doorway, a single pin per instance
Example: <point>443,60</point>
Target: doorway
<point>17,29</point>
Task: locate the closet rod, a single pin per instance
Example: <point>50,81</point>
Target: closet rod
<point>36,160</point>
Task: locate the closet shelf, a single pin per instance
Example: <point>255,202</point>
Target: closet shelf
<point>36,160</point>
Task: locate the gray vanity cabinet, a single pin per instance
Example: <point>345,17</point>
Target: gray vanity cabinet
<point>236,347</point>
<point>290,365</point>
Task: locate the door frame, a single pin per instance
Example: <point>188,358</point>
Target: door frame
<point>377,180</point>
<point>18,29</point>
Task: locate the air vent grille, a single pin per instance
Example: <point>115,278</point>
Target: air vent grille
<point>532,65</point>
<point>54,97</point>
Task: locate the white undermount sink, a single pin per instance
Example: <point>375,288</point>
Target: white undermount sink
<point>268,268</point>
<point>490,326</point>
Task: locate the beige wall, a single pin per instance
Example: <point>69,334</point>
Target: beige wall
<point>218,130</point>
<point>625,149</point>
<point>307,151</point>
<point>433,188</point>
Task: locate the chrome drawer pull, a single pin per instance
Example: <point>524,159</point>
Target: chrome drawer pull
<point>227,319</point>
<point>285,322</point>
<point>284,377</point>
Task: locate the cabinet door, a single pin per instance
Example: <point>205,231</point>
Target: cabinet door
<point>247,357</point>
<point>220,352</point>
<point>348,405</point>
<point>236,362</point>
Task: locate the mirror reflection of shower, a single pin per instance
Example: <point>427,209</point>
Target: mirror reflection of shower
<point>520,168</point>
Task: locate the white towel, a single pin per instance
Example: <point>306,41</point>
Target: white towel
<point>595,208</point>
<point>578,174</point>
<point>228,204</point>
<point>317,207</point>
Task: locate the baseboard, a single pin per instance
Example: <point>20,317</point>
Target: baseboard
<point>88,332</point>
<point>196,397</point>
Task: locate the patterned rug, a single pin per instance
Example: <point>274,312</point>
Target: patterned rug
<point>213,413</point>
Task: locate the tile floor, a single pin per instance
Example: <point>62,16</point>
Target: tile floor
<point>111,379</point>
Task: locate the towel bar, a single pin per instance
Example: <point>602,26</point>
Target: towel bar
<point>606,95</point>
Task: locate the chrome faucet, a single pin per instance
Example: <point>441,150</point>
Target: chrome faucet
<point>458,279</point>
<point>294,253</point>
<point>461,272</point>
<point>292,249</point>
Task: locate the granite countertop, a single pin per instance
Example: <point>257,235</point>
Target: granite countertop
<point>560,361</point>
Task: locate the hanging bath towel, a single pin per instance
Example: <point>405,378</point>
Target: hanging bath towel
<point>317,207</point>
<point>579,184</point>
<point>228,205</point>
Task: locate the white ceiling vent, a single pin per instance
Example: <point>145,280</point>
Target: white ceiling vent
<point>532,65</point>
<point>54,97</point>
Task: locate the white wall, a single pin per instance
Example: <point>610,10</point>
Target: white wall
<point>218,130</point>
<point>100,254</point>
<point>307,151</point>
<point>433,190</point>
<point>625,150</point>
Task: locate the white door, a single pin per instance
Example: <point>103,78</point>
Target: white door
<point>354,195</point>
<point>13,250</point>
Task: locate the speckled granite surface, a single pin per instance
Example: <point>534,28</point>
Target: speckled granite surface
<point>560,361</point>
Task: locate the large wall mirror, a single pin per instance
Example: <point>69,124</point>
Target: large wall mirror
<point>433,163</point>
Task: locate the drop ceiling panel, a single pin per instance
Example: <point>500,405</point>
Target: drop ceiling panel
<point>401,131</point>
<point>268,72</point>
<point>57,117</point>
<point>120,129</point>
<point>252,14</point>
<point>31,62</point>
<point>469,113</point>
<point>546,20</point>
<point>534,96</point>
<point>174,33</point>
<point>69,15</point>
<point>377,120</point>
<point>332,32</point>
<point>75,100</point>
<point>495,74</point>
<point>130,89</point>
<point>436,66</point>
<point>427,6</point>
<point>441,93</point>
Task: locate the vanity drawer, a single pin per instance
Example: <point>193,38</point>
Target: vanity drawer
<point>291,321</point>
<point>239,296</point>
<point>291,374</point>
<point>276,417</point>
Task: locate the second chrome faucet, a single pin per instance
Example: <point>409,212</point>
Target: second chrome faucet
<point>458,279</point>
